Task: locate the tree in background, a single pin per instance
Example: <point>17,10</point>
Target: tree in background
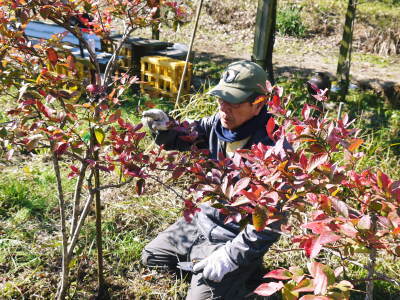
<point>264,36</point>
<point>344,62</point>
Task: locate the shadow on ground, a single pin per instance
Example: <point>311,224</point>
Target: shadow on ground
<point>208,67</point>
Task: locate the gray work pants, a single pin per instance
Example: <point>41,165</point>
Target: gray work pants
<point>183,242</point>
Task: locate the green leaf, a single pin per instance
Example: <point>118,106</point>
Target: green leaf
<point>99,134</point>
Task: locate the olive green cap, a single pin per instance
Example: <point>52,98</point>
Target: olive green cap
<point>239,81</point>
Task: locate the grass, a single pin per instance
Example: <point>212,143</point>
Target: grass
<point>372,59</point>
<point>30,241</point>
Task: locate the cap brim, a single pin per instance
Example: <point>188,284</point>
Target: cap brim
<point>230,94</point>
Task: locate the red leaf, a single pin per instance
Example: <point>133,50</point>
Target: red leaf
<point>382,180</point>
<point>313,247</point>
<point>61,148</point>
<point>52,55</point>
<point>240,185</point>
<point>178,173</point>
<point>270,128</point>
<point>364,222</point>
<point>281,274</point>
<point>303,161</point>
<point>44,109</point>
<point>316,160</point>
<point>340,207</point>
<point>328,237</point>
<point>250,195</point>
<point>268,289</point>
<point>276,100</point>
<point>320,278</point>
<point>305,112</point>
<point>74,169</point>
<point>114,117</point>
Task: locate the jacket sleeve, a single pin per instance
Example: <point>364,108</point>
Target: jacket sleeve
<point>171,139</point>
<point>250,245</point>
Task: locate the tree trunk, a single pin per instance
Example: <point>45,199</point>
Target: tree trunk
<point>344,62</point>
<point>62,289</point>
<point>264,36</point>
<point>155,31</point>
<point>99,242</point>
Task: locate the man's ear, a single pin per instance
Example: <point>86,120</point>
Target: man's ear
<point>259,106</point>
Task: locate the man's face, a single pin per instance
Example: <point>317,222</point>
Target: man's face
<point>234,115</point>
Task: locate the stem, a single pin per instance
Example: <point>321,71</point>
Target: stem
<point>82,218</point>
<point>372,262</point>
<point>99,244</point>
<point>77,195</point>
<point>109,186</point>
<point>62,290</point>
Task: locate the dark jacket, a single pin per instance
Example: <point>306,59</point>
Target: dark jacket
<point>244,246</point>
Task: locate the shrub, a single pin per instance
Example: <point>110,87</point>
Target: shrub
<point>289,22</point>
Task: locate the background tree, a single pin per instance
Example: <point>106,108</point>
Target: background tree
<point>264,36</point>
<point>344,62</point>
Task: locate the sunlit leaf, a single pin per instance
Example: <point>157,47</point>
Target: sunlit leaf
<point>99,134</point>
<point>268,289</point>
<point>355,143</point>
<point>281,274</point>
<point>260,215</point>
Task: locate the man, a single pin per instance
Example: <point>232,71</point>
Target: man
<point>224,256</point>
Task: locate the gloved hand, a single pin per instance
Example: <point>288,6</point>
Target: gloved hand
<point>155,119</point>
<point>216,265</point>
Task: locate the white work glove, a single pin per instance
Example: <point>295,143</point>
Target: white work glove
<point>216,265</point>
<point>155,119</point>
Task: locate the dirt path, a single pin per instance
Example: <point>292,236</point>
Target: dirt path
<point>232,38</point>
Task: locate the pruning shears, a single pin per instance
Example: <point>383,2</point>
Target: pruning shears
<point>187,266</point>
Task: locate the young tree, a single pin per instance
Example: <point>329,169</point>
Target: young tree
<point>72,113</point>
<point>342,211</point>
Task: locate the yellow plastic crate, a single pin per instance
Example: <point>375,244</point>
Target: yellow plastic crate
<point>161,76</point>
<point>82,70</point>
<point>125,62</point>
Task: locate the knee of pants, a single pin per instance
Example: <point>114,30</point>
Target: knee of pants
<point>151,259</point>
<point>145,257</point>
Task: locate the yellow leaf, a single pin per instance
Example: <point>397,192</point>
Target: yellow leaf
<point>99,134</point>
<point>259,217</point>
<point>355,143</point>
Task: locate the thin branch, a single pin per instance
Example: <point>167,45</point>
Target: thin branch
<point>76,156</point>
<point>110,186</point>
<point>167,187</point>
<point>85,211</point>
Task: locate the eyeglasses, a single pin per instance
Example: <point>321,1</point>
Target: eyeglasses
<point>227,104</point>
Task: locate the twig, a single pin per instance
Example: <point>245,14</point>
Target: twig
<point>110,186</point>
<point>167,187</point>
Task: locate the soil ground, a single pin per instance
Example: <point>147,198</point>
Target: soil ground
<point>229,35</point>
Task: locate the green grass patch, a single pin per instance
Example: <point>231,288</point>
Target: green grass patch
<point>372,59</point>
<point>289,21</point>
